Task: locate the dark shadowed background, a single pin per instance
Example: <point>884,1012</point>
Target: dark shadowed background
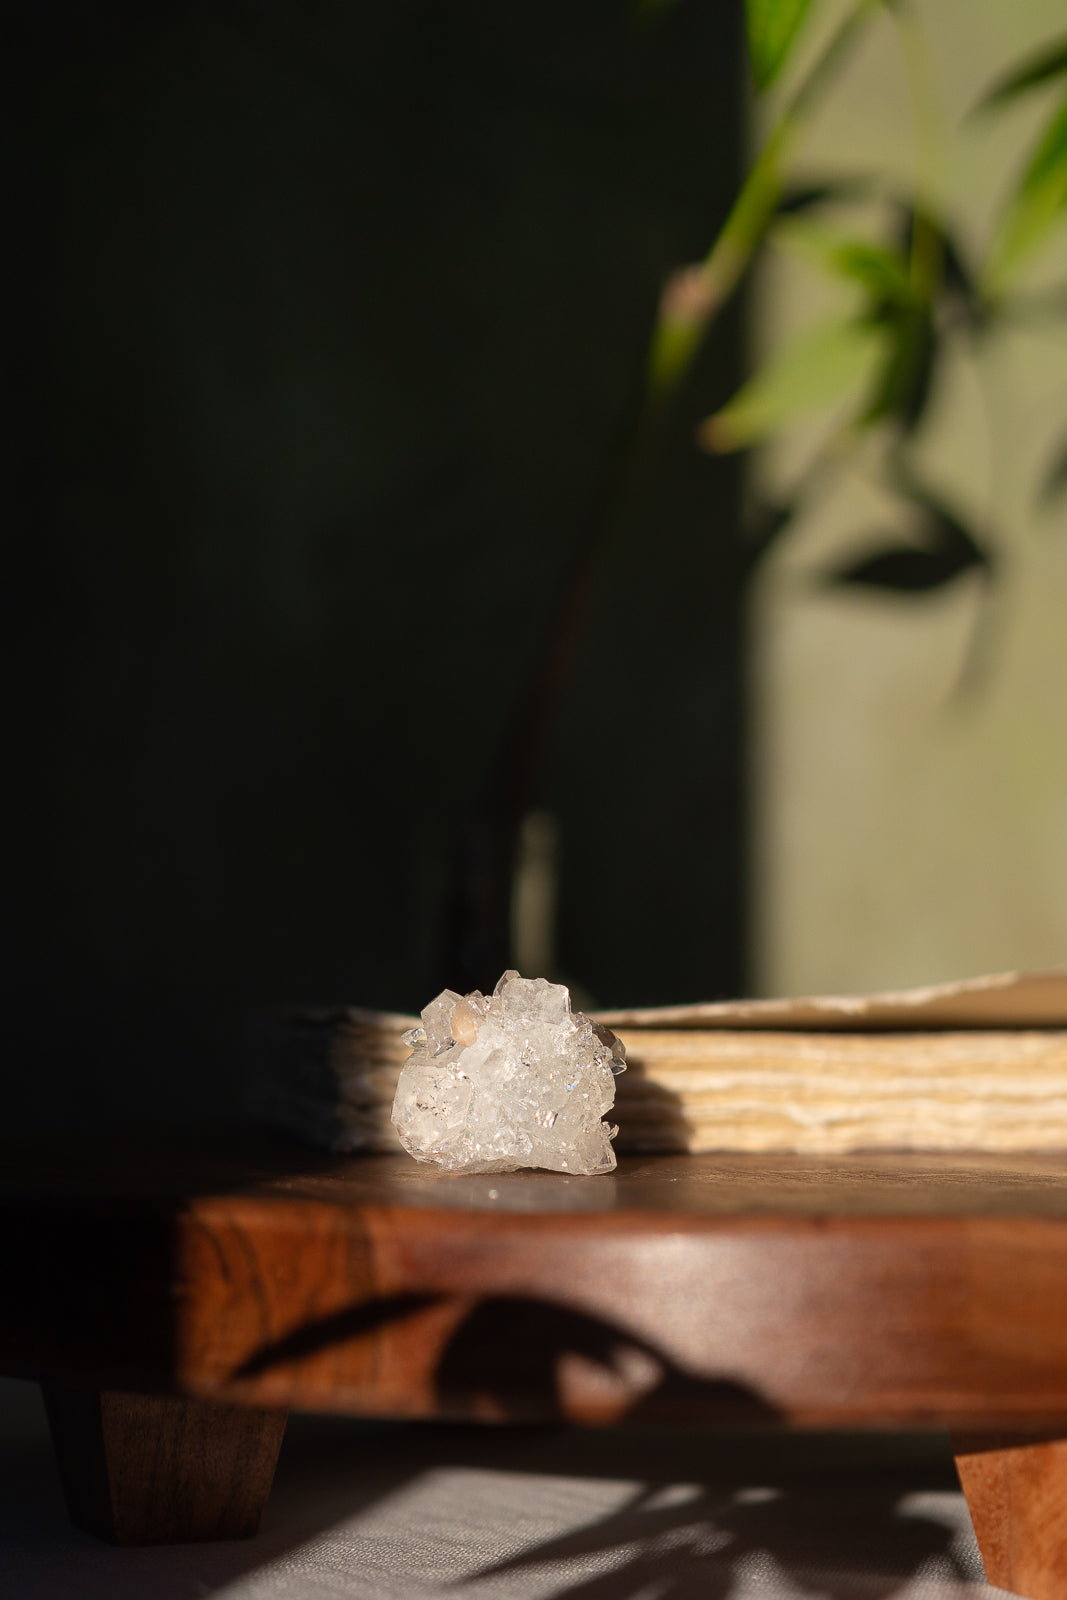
<point>328,321</point>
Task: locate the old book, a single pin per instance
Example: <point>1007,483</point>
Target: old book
<point>980,1065</point>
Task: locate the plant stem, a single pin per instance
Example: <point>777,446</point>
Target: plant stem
<point>476,936</point>
<point>693,298</point>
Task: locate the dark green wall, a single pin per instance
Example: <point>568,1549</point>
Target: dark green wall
<point>327,319</point>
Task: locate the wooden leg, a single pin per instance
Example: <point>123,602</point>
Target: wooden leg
<point>1016,1488</point>
<point>147,1469</point>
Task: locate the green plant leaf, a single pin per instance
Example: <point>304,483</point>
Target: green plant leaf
<point>821,367</point>
<point>680,328</point>
<point>1039,202</point>
<point>958,282</point>
<point>882,272</point>
<point>1050,62</point>
<point>772,27</point>
<point>903,383</point>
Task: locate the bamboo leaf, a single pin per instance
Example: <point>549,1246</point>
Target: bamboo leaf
<point>957,279</point>
<point>1050,62</point>
<point>1039,202</point>
<point>903,383</point>
<point>882,272</point>
<point>820,368</point>
<point>772,27</point>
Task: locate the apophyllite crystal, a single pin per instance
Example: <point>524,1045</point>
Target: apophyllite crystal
<point>515,1079</point>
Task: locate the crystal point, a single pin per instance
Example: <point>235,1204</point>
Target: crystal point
<point>513,1080</point>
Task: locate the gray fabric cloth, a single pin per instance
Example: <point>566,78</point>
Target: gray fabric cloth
<point>378,1512</point>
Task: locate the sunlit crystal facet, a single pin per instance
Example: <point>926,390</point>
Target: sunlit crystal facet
<point>515,1079</point>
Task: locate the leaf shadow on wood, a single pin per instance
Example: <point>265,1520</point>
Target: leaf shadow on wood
<point>503,1356</point>
<point>354,1322</point>
<point>512,1355</point>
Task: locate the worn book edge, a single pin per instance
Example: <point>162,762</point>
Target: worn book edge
<point>979,1064</point>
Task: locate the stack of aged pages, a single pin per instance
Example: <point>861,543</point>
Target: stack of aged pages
<point>978,1065</point>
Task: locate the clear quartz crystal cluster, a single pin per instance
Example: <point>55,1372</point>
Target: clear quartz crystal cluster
<point>515,1079</point>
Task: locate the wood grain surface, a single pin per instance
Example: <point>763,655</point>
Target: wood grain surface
<point>1016,1492</point>
<point>909,1290</point>
<point>148,1469</point>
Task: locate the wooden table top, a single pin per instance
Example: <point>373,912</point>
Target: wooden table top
<point>152,1166</point>
<point>855,1290</point>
